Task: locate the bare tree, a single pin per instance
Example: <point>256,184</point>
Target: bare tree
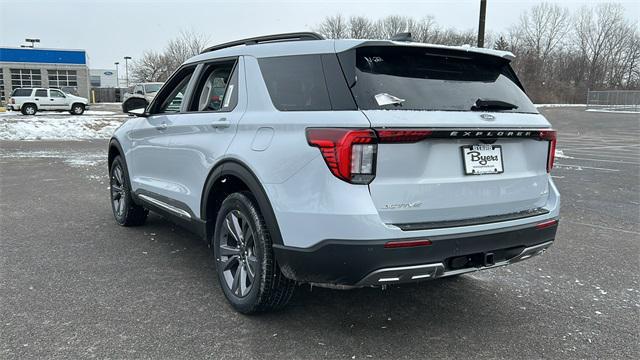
<point>425,30</point>
<point>360,28</point>
<point>334,27</point>
<point>391,25</point>
<point>596,32</point>
<point>158,66</point>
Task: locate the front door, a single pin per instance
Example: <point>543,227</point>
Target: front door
<point>58,101</point>
<point>149,171</point>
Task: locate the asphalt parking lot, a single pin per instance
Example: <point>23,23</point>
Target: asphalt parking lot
<point>74,284</point>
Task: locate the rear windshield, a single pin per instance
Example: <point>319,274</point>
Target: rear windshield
<point>414,78</point>
<point>21,92</point>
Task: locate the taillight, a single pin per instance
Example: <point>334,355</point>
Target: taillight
<point>13,101</point>
<point>551,136</point>
<point>402,136</point>
<point>350,154</point>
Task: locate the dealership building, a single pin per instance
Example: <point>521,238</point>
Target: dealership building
<point>48,68</point>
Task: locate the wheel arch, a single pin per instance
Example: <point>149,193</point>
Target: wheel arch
<point>115,149</point>
<point>231,176</point>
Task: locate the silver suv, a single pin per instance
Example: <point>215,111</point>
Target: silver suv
<point>341,163</point>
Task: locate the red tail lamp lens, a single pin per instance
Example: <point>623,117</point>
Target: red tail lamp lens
<point>350,154</point>
<point>551,136</point>
<point>402,136</point>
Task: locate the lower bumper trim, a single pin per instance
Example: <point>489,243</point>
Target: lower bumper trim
<point>432,271</point>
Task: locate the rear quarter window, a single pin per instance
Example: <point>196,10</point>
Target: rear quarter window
<point>21,92</point>
<point>306,83</point>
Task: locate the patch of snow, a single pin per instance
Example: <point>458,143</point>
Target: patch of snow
<point>560,105</point>
<point>57,128</point>
<point>615,111</point>
<point>561,155</point>
<point>99,112</point>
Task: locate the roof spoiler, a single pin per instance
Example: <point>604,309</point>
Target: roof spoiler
<point>297,36</point>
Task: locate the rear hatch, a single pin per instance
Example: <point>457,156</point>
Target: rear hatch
<point>459,141</point>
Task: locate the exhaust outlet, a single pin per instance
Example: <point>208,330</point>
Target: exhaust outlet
<point>489,259</point>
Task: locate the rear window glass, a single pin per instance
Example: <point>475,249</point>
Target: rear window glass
<point>41,93</point>
<point>296,83</point>
<point>21,92</point>
<point>414,78</point>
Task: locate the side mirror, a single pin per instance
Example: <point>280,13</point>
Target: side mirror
<point>140,112</point>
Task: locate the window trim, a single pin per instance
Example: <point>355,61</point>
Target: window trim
<point>187,91</point>
<point>202,68</point>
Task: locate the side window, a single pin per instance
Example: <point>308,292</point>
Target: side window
<point>217,89</point>
<point>41,93</point>
<point>169,99</point>
<point>296,83</point>
<point>138,90</point>
<point>56,93</point>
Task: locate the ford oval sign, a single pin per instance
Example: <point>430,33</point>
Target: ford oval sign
<point>487,117</point>
<point>108,73</point>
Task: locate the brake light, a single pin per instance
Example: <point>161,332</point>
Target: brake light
<point>551,136</point>
<point>350,154</point>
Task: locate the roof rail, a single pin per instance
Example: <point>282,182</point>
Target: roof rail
<point>298,36</point>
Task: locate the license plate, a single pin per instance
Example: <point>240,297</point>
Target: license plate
<point>482,159</point>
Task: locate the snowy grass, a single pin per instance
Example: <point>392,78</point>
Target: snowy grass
<point>613,111</point>
<point>561,105</point>
<point>93,125</point>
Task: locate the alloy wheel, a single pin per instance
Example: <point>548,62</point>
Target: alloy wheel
<point>117,190</point>
<point>237,253</point>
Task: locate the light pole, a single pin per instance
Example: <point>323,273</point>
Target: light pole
<point>126,67</point>
<point>483,14</point>
<point>117,77</point>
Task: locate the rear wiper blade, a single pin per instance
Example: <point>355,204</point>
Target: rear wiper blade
<point>488,104</point>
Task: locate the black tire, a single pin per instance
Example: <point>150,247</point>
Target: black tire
<point>125,210</point>
<point>270,289</point>
<point>77,109</point>
<point>29,109</point>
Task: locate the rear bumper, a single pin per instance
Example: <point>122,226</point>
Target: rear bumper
<point>345,263</point>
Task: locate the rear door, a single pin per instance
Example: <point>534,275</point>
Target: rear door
<point>202,134</point>
<point>41,98</point>
<point>459,139</point>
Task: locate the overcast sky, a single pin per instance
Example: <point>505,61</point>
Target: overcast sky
<point>109,30</point>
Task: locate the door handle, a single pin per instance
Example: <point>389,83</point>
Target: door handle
<point>162,126</point>
<point>221,123</point>
<point>36,99</point>
<point>51,99</point>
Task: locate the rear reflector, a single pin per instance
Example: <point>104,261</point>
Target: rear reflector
<point>406,244</point>
<point>546,224</point>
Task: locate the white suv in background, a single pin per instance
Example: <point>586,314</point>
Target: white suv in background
<point>341,163</point>
<point>31,100</point>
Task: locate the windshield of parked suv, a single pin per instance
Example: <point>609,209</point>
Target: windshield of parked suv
<point>418,78</point>
<point>150,88</point>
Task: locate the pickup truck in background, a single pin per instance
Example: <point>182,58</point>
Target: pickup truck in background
<point>140,96</point>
